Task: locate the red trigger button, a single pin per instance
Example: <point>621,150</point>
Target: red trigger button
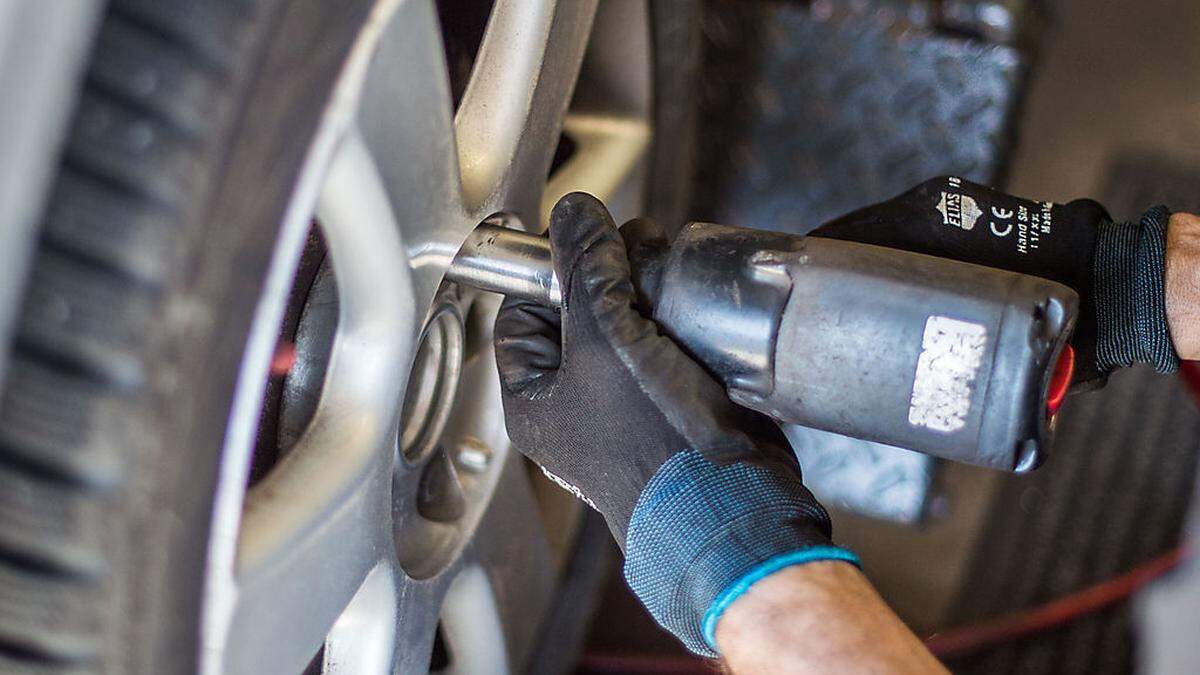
<point>1060,381</point>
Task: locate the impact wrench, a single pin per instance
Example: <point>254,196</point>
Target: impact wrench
<point>956,360</point>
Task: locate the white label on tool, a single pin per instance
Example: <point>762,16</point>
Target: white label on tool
<point>951,353</point>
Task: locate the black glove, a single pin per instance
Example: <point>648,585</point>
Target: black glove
<point>1117,269</point>
<point>698,491</point>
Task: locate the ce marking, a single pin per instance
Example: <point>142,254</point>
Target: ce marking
<point>999,214</point>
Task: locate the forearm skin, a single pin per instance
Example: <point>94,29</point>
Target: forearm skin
<point>1182,284</point>
<point>821,617</point>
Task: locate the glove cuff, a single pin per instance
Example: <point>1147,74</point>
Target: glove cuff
<point>702,533</point>
<point>1130,300</point>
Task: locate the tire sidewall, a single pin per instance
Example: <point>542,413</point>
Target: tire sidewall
<point>292,61</point>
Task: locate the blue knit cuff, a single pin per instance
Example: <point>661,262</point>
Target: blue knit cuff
<point>702,533</point>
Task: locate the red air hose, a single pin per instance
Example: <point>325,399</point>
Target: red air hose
<point>1063,610</point>
<point>1055,613</point>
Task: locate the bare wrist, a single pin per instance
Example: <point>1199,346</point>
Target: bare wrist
<point>1181,282</point>
<point>815,618</point>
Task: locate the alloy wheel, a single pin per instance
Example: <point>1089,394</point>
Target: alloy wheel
<point>397,522</point>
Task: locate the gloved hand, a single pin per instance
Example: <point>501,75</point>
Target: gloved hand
<point>1117,268</point>
<point>704,496</point>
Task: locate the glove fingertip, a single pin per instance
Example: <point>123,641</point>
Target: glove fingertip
<point>576,222</point>
<point>589,254</point>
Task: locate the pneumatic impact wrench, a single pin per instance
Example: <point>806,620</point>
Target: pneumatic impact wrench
<point>956,360</point>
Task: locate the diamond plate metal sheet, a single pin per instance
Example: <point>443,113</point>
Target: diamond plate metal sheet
<point>811,113</point>
<point>811,110</point>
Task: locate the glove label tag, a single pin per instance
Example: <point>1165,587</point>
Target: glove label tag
<point>957,209</point>
<point>951,354</point>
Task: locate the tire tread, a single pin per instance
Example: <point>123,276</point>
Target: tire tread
<point>162,76</point>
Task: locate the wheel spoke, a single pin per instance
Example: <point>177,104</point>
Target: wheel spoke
<point>473,626</point>
<point>609,120</point>
<point>607,160</point>
<point>512,111</point>
<point>291,592</point>
<point>405,120</point>
<point>419,605</point>
<point>322,514</point>
<point>524,575</point>
<point>364,639</point>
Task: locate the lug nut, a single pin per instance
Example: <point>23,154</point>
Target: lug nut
<point>473,455</point>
